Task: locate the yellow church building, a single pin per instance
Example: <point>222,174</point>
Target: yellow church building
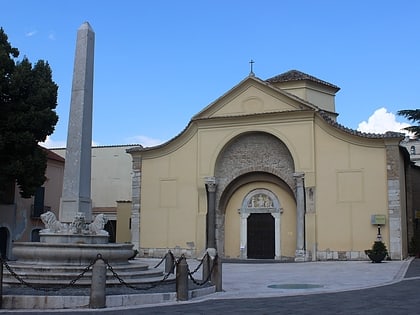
<point>266,172</point>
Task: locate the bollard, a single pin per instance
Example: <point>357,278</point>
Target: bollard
<point>216,276</point>
<point>182,279</point>
<point>97,289</point>
<point>206,267</point>
<point>169,263</point>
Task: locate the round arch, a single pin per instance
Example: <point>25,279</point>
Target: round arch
<point>250,157</point>
<point>234,135</point>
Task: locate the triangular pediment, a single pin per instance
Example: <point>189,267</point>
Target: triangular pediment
<point>253,96</point>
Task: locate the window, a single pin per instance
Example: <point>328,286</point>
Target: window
<point>38,207</point>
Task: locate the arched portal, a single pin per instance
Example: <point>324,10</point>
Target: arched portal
<point>250,158</point>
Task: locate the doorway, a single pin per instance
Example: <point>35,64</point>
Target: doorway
<point>4,239</point>
<point>260,236</point>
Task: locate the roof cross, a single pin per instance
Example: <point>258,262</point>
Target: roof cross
<point>251,63</point>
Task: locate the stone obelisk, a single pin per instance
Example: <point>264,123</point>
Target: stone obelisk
<point>76,195</point>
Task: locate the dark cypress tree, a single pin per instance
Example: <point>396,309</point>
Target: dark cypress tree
<point>28,98</point>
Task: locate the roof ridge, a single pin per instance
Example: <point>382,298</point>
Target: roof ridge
<point>388,134</point>
<point>296,75</point>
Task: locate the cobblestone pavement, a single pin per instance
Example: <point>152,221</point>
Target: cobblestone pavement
<point>399,297</point>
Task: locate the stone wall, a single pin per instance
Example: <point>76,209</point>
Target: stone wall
<point>136,195</point>
<point>394,200</point>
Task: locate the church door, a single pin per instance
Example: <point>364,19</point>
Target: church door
<point>260,236</point>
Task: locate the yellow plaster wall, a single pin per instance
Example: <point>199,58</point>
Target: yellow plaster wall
<point>123,222</point>
<point>350,187</point>
<point>297,136</point>
<point>254,100</point>
<point>169,199</point>
<point>173,200</point>
<point>288,219</point>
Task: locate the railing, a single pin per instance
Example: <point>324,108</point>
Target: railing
<point>211,273</point>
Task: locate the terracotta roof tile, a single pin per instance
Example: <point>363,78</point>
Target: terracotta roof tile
<point>295,75</point>
<point>388,134</point>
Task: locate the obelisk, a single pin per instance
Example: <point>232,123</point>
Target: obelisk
<point>76,195</point>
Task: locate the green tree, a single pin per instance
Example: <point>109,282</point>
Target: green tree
<point>414,116</point>
<point>28,98</point>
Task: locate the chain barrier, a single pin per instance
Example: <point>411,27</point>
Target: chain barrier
<point>115,275</point>
<point>151,285</point>
<point>45,289</point>
<point>203,282</point>
<point>198,267</point>
<point>163,259</point>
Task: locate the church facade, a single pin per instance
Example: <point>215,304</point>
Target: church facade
<point>266,172</point>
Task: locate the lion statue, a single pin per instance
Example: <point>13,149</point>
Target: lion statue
<point>51,223</point>
<point>97,226</point>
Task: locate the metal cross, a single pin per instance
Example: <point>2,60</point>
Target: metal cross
<point>252,66</point>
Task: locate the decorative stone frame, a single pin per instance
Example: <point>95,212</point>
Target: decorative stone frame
<point>270,205</point>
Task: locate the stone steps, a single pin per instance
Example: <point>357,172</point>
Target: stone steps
<point>55,275</point>
<point>43,268</point>
<point>86,282</point>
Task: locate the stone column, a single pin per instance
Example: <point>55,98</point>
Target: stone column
<point>300,217</point>
<point>277,234</point>
<point>244,235</point>
<point>77,170</point>
<point>211,211</point>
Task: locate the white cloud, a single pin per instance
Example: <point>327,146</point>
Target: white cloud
<point>145,141</point>
<point>31,33</point>
<point>382,121</point>
<point>51,36</point>
<point>50,143</point>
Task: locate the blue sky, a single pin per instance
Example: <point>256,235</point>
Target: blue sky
<point>157,63</point>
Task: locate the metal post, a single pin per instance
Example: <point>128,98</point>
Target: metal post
<point>169,263</point>
<point>97,289</point>
<point>216,276</point>
<point>182,280</point>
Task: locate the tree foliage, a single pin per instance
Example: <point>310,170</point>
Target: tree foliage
<point>414,116</point>
<point>28,98</point>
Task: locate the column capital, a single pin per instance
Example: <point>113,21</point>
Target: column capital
<point>210,182</point>
<point>299,175</point>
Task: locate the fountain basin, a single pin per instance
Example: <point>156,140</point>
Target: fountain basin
<point>70,253</point>
<point>66,238</point>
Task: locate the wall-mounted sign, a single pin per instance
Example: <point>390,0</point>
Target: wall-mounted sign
<point>378,219</point>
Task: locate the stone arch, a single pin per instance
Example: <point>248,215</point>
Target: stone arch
<point>249,157</point>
